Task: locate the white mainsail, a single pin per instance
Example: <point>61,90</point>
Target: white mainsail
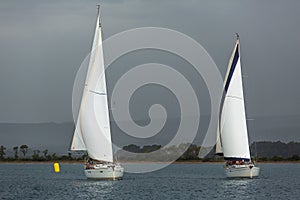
<point>92,131</point>
<point>233,127</point>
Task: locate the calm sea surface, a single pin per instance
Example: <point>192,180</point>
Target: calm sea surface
<point>177,181</point>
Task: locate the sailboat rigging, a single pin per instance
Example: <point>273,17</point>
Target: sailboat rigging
<point>92,133</point>
<point>232,133</point>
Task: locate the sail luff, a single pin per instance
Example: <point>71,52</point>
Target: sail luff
<point>77,143</point>
<point>219,149</point>
<point>94,50</point>
<point>233,127</point>
<point>94,116</point>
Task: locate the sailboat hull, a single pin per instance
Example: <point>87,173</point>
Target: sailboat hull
<point>105,172</point>
<point>242,171</point>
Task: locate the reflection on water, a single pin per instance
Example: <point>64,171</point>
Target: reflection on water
<point>93,188</point>
<point>237,187</point>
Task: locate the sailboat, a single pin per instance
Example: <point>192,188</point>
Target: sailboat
<point>92,132</point>
<point>232,134</point>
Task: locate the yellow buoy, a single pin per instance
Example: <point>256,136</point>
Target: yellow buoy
<point>56,167</point>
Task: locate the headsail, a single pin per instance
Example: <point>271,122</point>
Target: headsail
<point>219,150</point>
<point>93,120</point>
<point>233,127</point>
<point>77,141</point>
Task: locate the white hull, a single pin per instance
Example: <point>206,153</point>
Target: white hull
<point>241,171</point>
<point>105,172</point>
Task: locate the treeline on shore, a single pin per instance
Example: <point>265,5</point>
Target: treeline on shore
<point>23,153</point>
<point>261,151</point>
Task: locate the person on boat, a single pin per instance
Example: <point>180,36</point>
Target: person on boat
<point>227,163</point>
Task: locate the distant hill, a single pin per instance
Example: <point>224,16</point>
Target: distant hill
<point>271,149</point>
<point>56,137</point>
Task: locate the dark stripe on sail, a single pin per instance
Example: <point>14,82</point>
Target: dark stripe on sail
<point>232,67</point>
<point>231,71</point>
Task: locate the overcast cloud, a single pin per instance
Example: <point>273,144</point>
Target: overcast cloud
<point>42,44</point>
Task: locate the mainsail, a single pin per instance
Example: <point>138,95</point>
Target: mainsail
<point>232,121</point>
<point>92,131</point>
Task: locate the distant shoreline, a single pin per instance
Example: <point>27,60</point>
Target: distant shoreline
<point>136,162</point>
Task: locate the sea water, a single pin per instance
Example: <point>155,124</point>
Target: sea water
<point>177,181</point>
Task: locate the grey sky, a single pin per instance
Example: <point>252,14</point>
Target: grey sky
<point>42,44</point>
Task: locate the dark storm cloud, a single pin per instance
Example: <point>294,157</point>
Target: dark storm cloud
<point>44,42</point>
<point>42,46</point>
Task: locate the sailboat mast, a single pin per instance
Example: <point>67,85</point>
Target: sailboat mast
<point>98,7</point>
<point>93,124</point>
<point>232,124</point>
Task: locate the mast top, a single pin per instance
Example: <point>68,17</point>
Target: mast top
<point>98,7</point>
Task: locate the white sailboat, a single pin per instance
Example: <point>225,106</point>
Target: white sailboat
<point>92,133</point>
<point>232,134</point>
